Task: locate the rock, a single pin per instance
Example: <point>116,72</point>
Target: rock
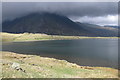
<point>88,68</point>
<point>16,65</point>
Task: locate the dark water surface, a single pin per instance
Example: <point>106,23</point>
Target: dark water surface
<point>87,52</point>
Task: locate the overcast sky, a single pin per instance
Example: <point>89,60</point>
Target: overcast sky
<point>102,13</point>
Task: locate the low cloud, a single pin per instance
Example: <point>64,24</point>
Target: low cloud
<point>92,10</point>
<point>103,20</point>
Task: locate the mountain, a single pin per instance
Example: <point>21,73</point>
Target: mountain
<point>53,24</point>
<point>99,30</point>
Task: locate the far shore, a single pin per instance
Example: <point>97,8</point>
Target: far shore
<point>26,37</point>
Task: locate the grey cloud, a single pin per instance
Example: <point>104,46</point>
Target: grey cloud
<point>12,10</point>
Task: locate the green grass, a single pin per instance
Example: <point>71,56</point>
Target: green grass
<point>8,37</point>
<point>50,68</point>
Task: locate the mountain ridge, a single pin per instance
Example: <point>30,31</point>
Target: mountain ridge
<point>52,24</point>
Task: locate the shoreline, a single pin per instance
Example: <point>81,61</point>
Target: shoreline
<point>17,65</point>
<point>28,37</point>
<point>34,60</point>
<point>55,39</point>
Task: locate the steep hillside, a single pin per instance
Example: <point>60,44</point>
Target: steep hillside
<point>52,24</point>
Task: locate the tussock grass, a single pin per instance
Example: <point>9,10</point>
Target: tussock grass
<point>36,37</point>
<point>43,67</point>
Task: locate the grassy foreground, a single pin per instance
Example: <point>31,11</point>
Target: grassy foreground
<point>35,37</point>
<point>33,66</point>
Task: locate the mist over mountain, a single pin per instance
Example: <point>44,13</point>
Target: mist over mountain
<point>54,24</point>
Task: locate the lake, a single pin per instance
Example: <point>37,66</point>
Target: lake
<point>85,52</point>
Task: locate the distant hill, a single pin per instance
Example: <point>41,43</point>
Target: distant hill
<point>53,24</point>
<point>99,30</point>
<point>112,26</point>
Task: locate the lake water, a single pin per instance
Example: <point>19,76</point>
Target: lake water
<point>85,52</point>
